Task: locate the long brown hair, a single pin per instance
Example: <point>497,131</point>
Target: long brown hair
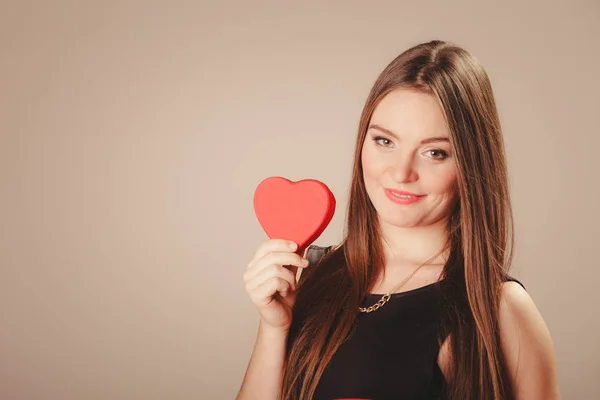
<point>480,239</point>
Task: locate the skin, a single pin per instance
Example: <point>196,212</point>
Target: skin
<point>401,152</point>
<point>270,281</point>
<point>407,148</point>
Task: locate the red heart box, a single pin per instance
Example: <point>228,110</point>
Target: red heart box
<point>298,211</point>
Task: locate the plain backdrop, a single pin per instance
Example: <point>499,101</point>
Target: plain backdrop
<point>133,135</point>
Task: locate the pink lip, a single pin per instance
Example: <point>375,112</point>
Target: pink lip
<point>398,200</point>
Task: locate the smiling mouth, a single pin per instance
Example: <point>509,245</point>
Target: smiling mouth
<point>402,193</point>
<point>400,197</point>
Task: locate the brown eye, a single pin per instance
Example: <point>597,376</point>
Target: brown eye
<point>382,141</point>
<point>438,154</point>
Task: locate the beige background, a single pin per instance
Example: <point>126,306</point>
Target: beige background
<point>132,136</point>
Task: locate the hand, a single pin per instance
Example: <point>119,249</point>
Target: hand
<point>271,281</point>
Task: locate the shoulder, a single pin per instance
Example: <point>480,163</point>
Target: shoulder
<point>526,344</point>
<point>517,308</point>
<point>514,298</point>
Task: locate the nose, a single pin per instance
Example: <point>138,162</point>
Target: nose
<point>403,170</point>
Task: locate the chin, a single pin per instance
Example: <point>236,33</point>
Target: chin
<point>399,221</point>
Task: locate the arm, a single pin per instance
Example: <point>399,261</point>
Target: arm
<point>527,346</point>
<point>263,376</point>
<point>271,283</point>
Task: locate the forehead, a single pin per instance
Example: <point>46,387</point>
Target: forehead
<point>411,113</point>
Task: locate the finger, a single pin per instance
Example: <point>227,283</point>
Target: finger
<point>273,271</point>
<point>283,259</point>
<point>273,245</point>
<point>263,294</point>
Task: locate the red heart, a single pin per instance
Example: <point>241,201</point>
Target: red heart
<point>298,211</point>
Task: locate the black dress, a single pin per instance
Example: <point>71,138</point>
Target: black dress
<point>392,352</point>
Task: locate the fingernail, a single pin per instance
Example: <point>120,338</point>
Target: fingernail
<point>304,261</point>
<point>292,245</point>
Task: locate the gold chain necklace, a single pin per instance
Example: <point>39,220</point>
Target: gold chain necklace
<point>386,297</point>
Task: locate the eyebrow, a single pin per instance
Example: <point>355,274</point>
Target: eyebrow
<point>424,141</point>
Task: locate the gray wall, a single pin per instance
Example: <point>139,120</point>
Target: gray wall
<point>133,135</point>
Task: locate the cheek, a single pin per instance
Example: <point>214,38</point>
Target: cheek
<point>366,164</point>
<point>371,163</point>
<point>368,174</point>
<point>445,182</point>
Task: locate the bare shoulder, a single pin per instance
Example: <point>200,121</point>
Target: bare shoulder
<point>526,345</point>
<point>518,312</point>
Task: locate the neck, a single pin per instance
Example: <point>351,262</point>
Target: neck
<point>414,244</point>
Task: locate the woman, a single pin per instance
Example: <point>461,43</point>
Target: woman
<point>416,302</point>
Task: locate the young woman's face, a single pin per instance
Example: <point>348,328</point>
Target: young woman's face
<point>407,149</point>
